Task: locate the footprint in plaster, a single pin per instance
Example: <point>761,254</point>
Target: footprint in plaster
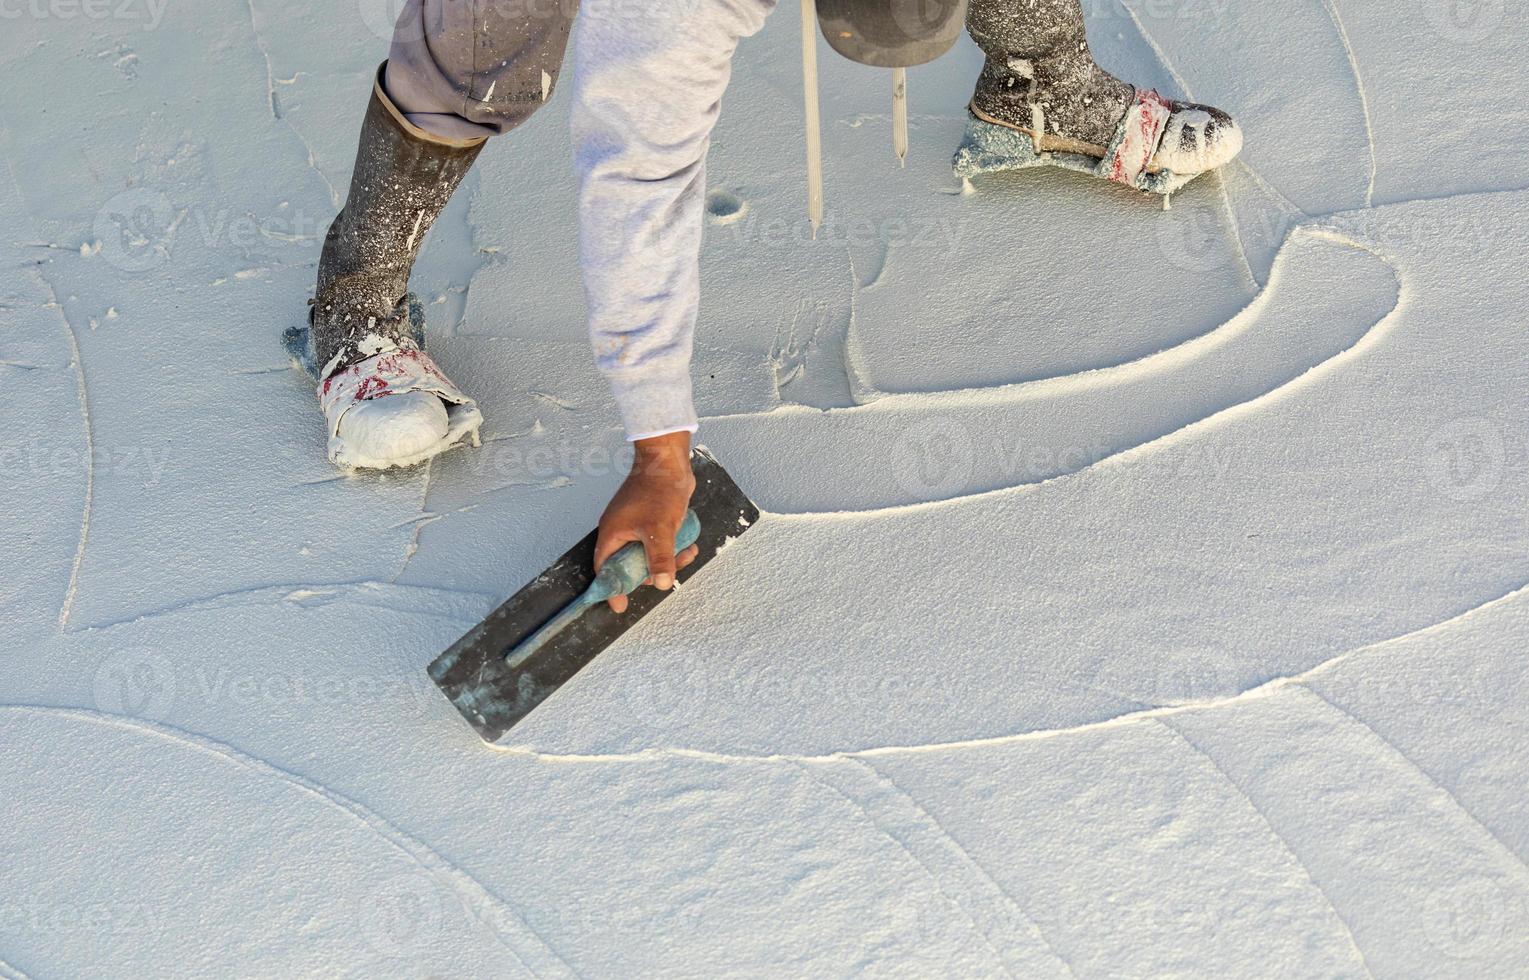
<point>1324,296</point>
<point>725,207</point>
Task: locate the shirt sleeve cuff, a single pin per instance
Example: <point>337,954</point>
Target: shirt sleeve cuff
<point>654,404</point>
<point>654,435</point>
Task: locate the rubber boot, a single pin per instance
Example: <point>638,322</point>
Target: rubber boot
<point>1040,78</point>
<point>402,181</point>
<point>386,403</point>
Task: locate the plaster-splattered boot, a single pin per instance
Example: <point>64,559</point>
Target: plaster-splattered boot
<point>385,401</point>
<point>1041,100</point>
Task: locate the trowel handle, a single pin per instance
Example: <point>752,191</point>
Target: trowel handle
<point>624,571</point>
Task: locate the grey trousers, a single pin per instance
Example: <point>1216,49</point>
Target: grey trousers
<point>647,86</point>
<point>468,68</point>
<point>462,69</point>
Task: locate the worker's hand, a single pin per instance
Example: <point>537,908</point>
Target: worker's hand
<point>649,508</point>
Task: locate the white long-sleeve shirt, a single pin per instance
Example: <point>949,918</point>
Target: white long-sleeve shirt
<point>647,87</point>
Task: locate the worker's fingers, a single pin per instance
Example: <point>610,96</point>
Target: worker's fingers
<point>611,539</point>
<point>682,560</point>
<point>659,545</point>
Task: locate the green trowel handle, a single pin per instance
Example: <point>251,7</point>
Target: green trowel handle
<point>621,574</point>
<point>624,571</point>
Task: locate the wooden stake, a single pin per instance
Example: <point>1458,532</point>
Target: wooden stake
<point>814,120</point>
